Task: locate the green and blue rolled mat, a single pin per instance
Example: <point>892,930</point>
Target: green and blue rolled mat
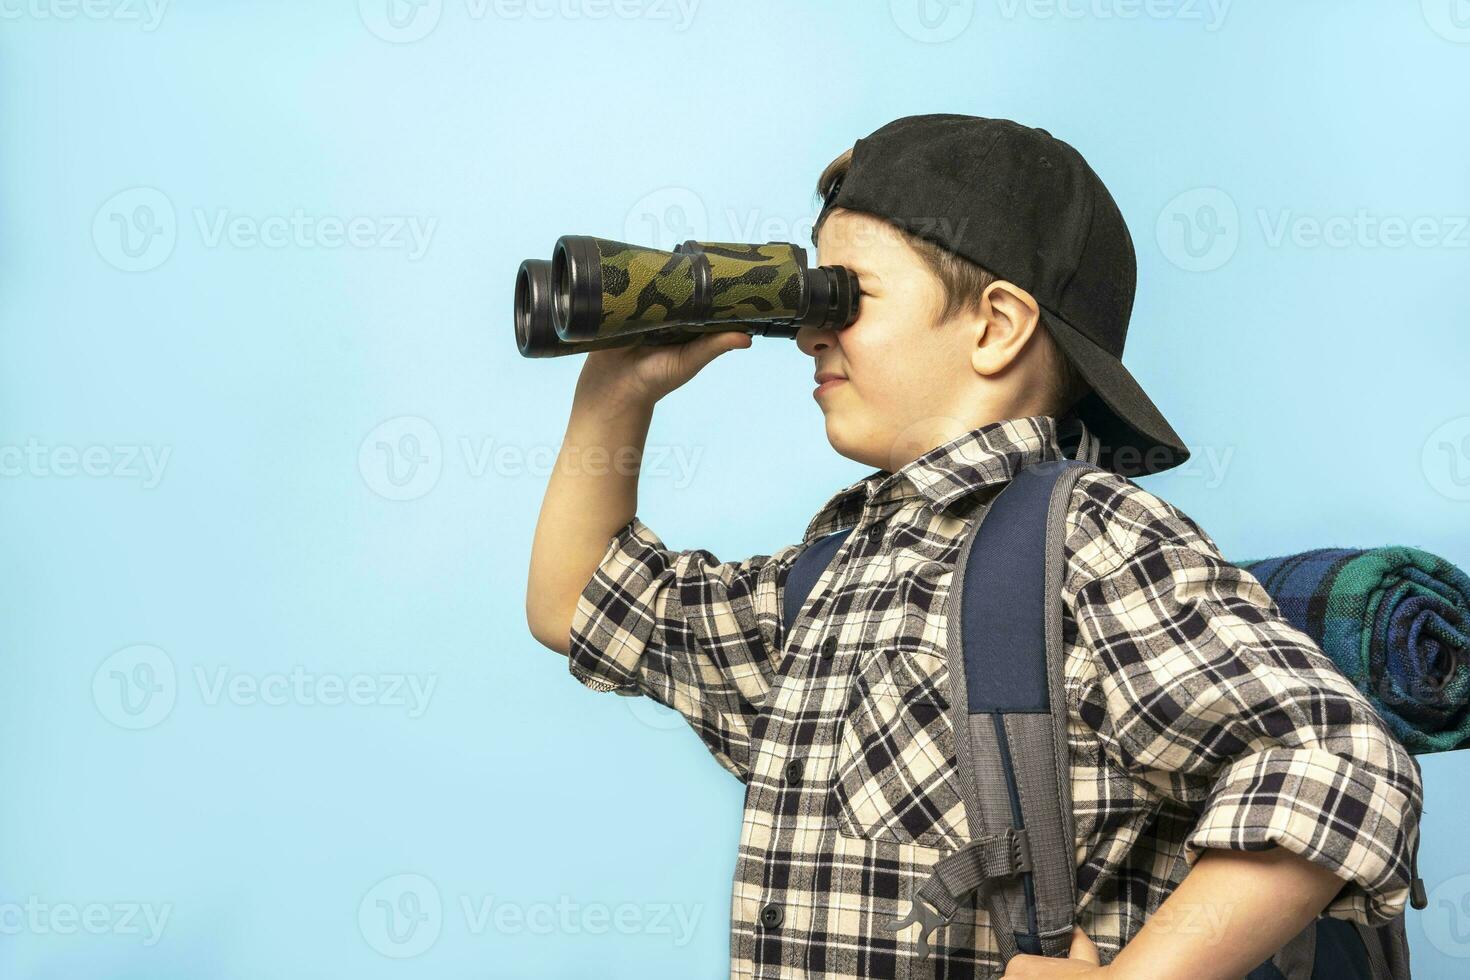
<point>1396,621</point>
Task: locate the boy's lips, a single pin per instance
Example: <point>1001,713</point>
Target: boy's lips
<point>826,381</point>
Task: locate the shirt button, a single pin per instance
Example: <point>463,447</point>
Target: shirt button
<point>829,647</point>
<point>793,771</point>
<point>771,915</point>
<point>875,532</point>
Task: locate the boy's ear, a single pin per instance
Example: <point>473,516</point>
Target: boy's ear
<point>1003,325</point>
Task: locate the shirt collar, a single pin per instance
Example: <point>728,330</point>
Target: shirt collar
<point>982,457</point>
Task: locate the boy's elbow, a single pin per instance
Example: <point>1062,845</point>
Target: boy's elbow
<point>550,630</point>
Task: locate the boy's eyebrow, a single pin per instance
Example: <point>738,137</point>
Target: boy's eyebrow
<point>861,267</point>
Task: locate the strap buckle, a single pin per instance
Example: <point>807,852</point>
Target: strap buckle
<point>976,868</point>
<point>928,918</point>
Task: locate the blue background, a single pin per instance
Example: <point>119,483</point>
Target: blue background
<point>331,501</point>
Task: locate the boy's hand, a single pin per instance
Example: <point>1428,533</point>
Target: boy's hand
<point>1082,961</point>
<point>639,376</point>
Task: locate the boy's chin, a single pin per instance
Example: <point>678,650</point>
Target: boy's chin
<point>848,441</point>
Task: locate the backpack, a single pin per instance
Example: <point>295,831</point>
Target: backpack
<point>1008,708</point>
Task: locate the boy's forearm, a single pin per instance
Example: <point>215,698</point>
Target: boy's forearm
<point>593,491</point>
<point>1232,911</point>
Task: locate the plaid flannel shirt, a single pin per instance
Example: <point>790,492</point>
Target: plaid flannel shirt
<point>1198,716</point>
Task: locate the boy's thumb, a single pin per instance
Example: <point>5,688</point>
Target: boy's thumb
<point>1083,947</point>
<point>731,339</point>
<point>706,349</point>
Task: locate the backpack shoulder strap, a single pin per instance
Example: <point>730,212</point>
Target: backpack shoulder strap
<point>803,574</point>
<point>1009,711</point>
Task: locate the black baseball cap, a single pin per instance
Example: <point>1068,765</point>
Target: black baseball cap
<point>1026,206</point>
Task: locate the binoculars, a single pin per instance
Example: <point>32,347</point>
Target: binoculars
<point>596,293</point>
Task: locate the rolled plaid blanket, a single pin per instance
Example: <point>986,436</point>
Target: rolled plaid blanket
<point>1396,621</point>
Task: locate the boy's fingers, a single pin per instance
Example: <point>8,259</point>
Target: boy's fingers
<point>1083,947</point>
<point>730,339</point>
<point>705,349</point>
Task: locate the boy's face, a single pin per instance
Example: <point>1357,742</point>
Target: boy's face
<point>907,383</point>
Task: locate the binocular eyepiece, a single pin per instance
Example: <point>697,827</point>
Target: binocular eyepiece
<point>596,293</point>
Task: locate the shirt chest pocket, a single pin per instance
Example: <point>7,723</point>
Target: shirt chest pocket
<point>894,776</point>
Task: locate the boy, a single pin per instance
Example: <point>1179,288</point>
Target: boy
<point>1228,783</point>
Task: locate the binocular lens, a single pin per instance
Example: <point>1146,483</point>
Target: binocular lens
<point>535,329</point>
<point>536,334</point>
<point>530,281</point>
<point>561,284</point>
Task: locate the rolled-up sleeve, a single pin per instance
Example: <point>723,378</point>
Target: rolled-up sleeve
<point>693,633</point>
<point>1215,701</point>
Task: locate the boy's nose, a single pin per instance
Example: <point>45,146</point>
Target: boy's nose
<point>810,340</point>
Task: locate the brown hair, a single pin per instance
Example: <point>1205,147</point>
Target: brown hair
<point>963,282</point>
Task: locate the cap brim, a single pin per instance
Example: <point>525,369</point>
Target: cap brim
<point>1136,438</point>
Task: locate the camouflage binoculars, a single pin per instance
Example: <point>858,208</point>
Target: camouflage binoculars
<point>596,293</point>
